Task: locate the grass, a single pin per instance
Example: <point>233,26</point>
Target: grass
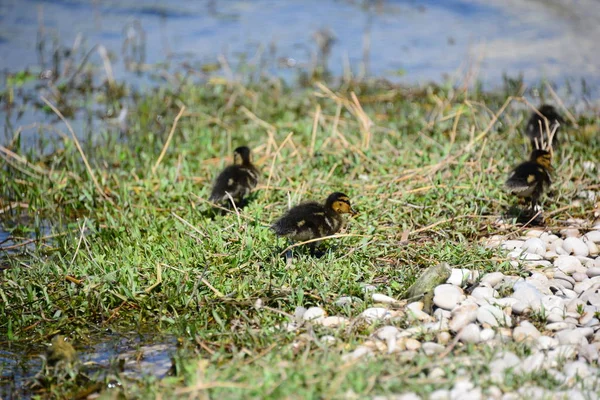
<point>133,244</point>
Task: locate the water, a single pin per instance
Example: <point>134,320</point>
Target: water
<point>411,41</point>
<point>141,355</point>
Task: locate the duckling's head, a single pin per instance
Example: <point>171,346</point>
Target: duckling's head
<point>340,203</point>
<point>241,155</point>
<point>541,157</point>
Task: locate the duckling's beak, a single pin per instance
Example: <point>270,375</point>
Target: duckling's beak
<point>353,211</point>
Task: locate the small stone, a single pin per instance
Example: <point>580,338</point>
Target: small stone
<point>493,316</point>
<point>580,276</point>
<point>589,352</point>
<point>577,368</point>
<point>529,297</point>
<point>458,276</point>
<point>559,326</point>
<point>532,363</point>
<point>546,343</point>
<point>593,236</point>
<point>525,331</point>
<point>470,334</point>
<point>359,352</point>
<point>387,332</point>
<point>534,246</point>
<point>567,264</point>
<point>334,321</point>
<point>462,316</point>
<point>346,300</point>
<point>443,338</point>
<point>436,372</point>
<point>574,336</point>
<point>412,344</point>
<point>535,233</point>
<point>368,288</point>
<point>447,296</point>
<point>512,244</point>
<point>382,298</point>
<point>593,272</point>
<point>484,293</point>
<point>520,255</point>
<point>328,339</point>
<point>375,314</point>
<point>592,248</point>
<point>486,335</point>
<point>575,246</point>
<point>493,393</point>
<point>299,313</point>
<point>493,278</point>
<point>441,394</point>
<point>430,348</point>
<point>313,314</point>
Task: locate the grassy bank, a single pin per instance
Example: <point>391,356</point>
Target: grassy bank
<point>133,241</point>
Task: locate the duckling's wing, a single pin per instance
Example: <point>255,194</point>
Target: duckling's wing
<point>300,214</point>
<point>522,179</point>
<point>226,182</point>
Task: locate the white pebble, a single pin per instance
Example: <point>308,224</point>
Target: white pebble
<point>567,264</point>
<point>431,348</point>
<point>387,332</point>
<point>446,296</point>
<point>559,326</point>
<point>575,246</point>
<point>443,337</point>
<point>493,278</point>
<point>484,293</point>
<point>593,271</point>
<point>375,314</point>
<point>334,321</point>
<point>493,316</point>
<point>534,246</point>
<point>593,236</point>
<point>359,352</point>
<point>441,394</point>
<point>470,334</point>
<point>580,276</point>
<point>313,314</point>
<point>486,335</point>
<point>525,331</point>
<point>528,296</point>
<point>512,244</point>
<point>458,276</point>
<point>462,316</point>
<point>412,344</point>
<point>531,364</point>
<point>577,368</point>
<point>574,336</point>
<point>346,300</point>
<point>546,343</point>
<point>328,339</point>
<point>382,298</point>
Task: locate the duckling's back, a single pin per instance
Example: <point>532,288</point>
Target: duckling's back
<point>307,221</point>
<point>237,180</point>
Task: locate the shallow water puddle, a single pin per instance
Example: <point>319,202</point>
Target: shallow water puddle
<point>111,356</point>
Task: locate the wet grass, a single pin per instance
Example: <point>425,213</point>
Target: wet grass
<point>134,242</point>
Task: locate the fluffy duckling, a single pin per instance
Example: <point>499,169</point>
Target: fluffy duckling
<point>312,220</point>
<point>60,351</point>
<point>536,126</point>
<point>238,179</point>
<point>530,178</point>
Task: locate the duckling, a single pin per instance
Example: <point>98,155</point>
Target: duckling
<point>312,220</point>
<point>60,351</point>
<point>530,178</point>
<point>237,180</point>
<point>536,126</point>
